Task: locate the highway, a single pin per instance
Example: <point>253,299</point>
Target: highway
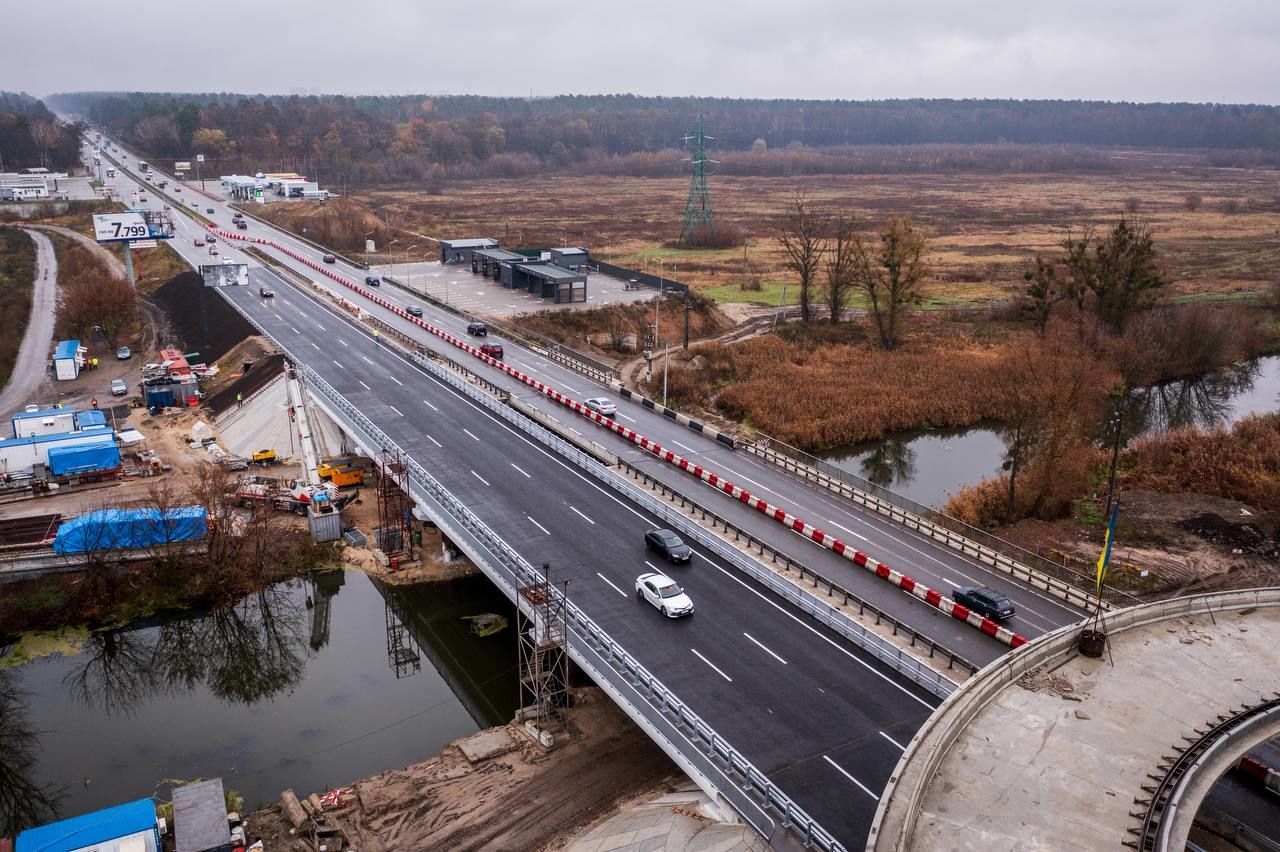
<point>912,553</point>
<point>821,718</point>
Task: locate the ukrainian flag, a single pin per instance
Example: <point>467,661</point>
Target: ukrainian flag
<point>1105,557</point>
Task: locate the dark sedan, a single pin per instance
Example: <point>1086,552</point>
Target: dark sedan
<point>670,545</point>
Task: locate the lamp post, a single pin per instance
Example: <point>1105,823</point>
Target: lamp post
<point>366,248</point>
<point>392,253</point>
<point>1116,424</point>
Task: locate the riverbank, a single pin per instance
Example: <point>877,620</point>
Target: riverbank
<point>496,789</point>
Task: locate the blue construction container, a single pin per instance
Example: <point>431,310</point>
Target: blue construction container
<point>96,829</point>
<point>83,458</point>
<point>125,529</point>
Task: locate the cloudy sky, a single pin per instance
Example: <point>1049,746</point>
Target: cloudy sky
<point>1139,50</point>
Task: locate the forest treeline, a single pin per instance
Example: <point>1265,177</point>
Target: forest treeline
<point>371,138</point>
<point>31,136</point>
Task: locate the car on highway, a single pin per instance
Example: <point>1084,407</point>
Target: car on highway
<point>242,224</point>
<point>124,353</point>
<point>209,210</point>
<point>142,199</point>
<point>493,350</point>
<point>177,189</point>
<point>328,258</point>
<point>237,215</point>
<point>198,243</point>
<point>372,280</point>
<point>166,207</point>
<point>984,601</point>
<point>266,292</point>
<point>664,594</point>
<point>601,405</point>
<point>211,239</point>
<point>213,251</point>
<point>195,204</point>
<point>478,328</point>
<point>667,543</point>
<point>118,387</point>
<point>414,310</point>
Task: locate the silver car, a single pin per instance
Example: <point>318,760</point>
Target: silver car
<point>601,405</point>
<point>118,387</point>
<point>664,594</point>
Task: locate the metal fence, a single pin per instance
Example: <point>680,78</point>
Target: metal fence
<point>1072,583</point>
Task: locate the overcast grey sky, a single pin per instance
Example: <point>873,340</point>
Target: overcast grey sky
<point>1140,50</point>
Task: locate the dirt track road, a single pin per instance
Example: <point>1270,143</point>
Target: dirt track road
<point>30,370</point>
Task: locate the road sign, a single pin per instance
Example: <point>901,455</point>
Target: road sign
<point>199,158</point>
<point>368,245</point>
<point>225,275</point>
<point>141,244</point>
<point>183,166</point>
<point>120,227</point>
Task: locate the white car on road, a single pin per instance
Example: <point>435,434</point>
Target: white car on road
<point>601,405</point>
<point>664,594</point>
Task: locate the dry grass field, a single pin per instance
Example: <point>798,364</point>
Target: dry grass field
<point>984,228</point>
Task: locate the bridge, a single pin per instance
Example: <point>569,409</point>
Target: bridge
<point>775,702</point>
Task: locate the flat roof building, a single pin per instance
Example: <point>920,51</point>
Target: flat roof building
<point>459,251</point>
<point>200,817</point>
<point>570,257</point>
<point>548,281</point>
<point>129,827</point>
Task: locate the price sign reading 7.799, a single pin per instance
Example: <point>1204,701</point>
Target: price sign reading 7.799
<point>120,227</point>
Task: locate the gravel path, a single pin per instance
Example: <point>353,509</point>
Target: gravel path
<point>30,370</point>
<point>113,263</point>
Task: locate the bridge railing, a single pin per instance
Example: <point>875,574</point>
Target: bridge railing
<point>667,719</point>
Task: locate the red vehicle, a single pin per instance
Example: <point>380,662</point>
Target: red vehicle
<point>493,350</point>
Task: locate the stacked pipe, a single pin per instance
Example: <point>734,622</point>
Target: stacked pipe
<point>918,590</point>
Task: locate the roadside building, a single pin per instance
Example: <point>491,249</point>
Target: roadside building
<point>497,264</point>
<point>548,281</point>
<point>200,818</point>
<point>459,251</point>
<point>570,257</point>
<point>68,358</point>
<point>129,827</point>
<point>43,421</point>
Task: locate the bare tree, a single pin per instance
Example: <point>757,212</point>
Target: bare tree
<point>803,241</point>
<point>891,274</point>
<point>841,259</point>
<point>24,802</point>
<point>46,135</point>
<point>95,298</point>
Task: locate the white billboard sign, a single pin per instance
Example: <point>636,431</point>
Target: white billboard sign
<point>141,244</point>
<point>120,227</point>
<point>183,166</point>
<point>368,245</point>
<point>199,158</point>
<point>225,274</point>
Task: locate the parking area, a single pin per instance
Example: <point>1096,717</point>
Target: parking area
<point>457,285</point>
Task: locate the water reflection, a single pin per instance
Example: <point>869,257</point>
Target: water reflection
<point>24,802</point>
<point>244,653</point>
<point>1203,402</point>
<point>893,460</point>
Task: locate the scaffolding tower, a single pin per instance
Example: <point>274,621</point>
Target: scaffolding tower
<point>403,654</point>
<point>697,210</point>
<point>392,534</point>
<point>542,632</point>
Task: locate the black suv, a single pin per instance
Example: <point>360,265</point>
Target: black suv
<point>670,545</point>
<point>328,258</point>
<point>372,280</point>
<point>478,328</point>
<point>984,601</point>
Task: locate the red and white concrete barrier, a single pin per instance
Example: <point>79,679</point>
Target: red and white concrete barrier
<point>907,584</point>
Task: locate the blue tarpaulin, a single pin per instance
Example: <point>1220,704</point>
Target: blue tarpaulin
<point>92,829</point>
<point>83,458</point>
<point>119,529</point>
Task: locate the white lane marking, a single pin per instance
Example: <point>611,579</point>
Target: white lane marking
<point>527,367</point>
<point>849,531</point>
<point>318,325</point>
<point>948,581</point>
<point>761,646</point>
<point>295,331</point>
<point>684,446</point>
<point>842,771</point>
<point>584,517</point>
<point>572,390</point>
<point>363,385</point>
<point>575,431</point>
<point>317,347</point>
<point>469,432</point>
<point>433,440</point>
<point>343,342</point>
<point>714,667</point>
<point>481,478</point>
<point>820,635</point>
<point>339,365</point>
<point>517,467</point>
<point>651,565</point>
<point>752,481</point>
<point>277,316</point>
<point>625,417</point>
<point>397,381</point>
<point>365,358</point>
<point>900,746</point>
<point>610,582</point>
<point>429,405</point>
<point>396,410</point>
<point>538,525</point>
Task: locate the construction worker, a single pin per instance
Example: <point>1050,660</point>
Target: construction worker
<point>375,334</point>
<point>94,403</point>
<point>239,401</point>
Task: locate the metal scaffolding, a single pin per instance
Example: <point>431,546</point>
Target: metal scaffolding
<point>392,534</point>
<point>403,654</point>
<point>542,632</point>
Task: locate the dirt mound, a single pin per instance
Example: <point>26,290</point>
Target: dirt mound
<point>260,374</point>
<point>1242,538</point>
<point>202,320</point>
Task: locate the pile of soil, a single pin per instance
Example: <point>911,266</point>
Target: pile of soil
<point>1239,537</point>
<point>263,371</point>
<point>202,320</point>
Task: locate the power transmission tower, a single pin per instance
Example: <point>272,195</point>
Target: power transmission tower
<point>697,210</point>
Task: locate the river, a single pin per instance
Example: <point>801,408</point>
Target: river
<point>268,694</point>
<point>928,466</point>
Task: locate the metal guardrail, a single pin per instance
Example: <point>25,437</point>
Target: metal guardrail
<point>1218,822</point>
<point>751,792</point>
<point>806,575</point>
<point>1023,564</point>
<point>857,633</point>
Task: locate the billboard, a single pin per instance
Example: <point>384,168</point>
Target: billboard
<point>120,227</point>
<point>199,158</point>
<point>225,275</point>
<point>182,166</point>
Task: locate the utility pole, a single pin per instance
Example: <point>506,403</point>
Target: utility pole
<point>688,305</point>
<point>128,264</point>
<point>657,311</point>
<point>1117,426</point>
